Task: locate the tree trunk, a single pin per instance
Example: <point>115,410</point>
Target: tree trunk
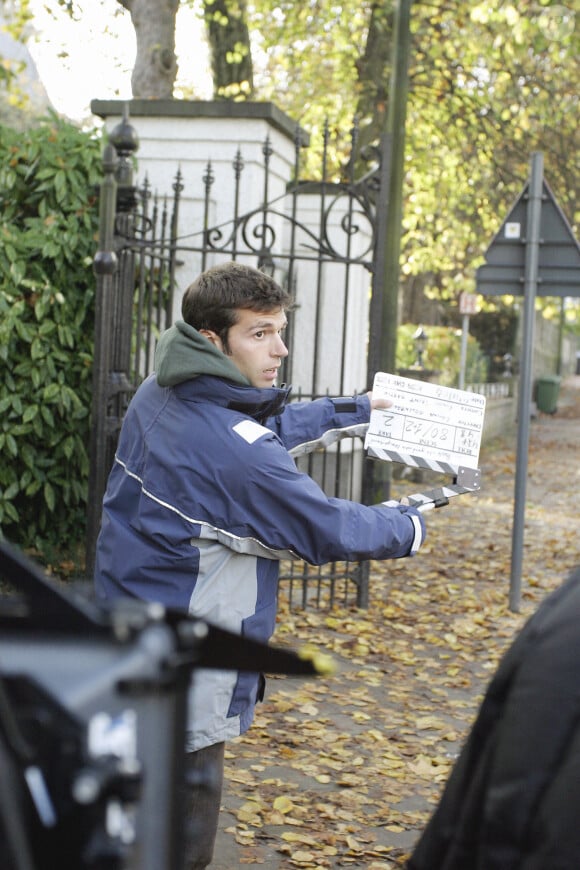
<point>373,70</point>
<point>230,50</point>
<point>155,67</point>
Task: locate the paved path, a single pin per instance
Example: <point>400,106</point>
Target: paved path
<point>344,772</point>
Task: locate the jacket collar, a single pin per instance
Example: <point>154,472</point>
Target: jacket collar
<point>253,401</point>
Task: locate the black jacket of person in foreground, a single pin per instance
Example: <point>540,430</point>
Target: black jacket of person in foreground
<point>513,797</point>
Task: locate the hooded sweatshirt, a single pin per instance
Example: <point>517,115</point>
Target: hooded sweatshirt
<point>204,499</point>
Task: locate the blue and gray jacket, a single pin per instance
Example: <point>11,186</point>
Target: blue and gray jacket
<point>204,499</point>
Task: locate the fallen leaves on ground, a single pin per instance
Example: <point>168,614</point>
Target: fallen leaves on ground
<point>344,771</point>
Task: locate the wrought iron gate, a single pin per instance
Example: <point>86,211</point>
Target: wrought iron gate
<point>319,240</point>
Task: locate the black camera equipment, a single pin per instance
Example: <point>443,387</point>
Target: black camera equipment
<point>93,720</point>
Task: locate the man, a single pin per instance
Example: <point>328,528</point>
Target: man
<point>512,801</point>
<point>204,498</point>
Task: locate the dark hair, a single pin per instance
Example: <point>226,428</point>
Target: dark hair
<point>210,302</point>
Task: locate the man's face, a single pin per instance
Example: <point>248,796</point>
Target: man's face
<point>255,345</point>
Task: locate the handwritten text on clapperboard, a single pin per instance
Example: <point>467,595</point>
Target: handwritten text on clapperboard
<point>439,424</point>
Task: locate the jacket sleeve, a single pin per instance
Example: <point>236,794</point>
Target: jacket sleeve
<point>306,426</point>
<point>285,510</point>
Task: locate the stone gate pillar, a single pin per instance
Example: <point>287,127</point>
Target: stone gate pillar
<point>204,139</point>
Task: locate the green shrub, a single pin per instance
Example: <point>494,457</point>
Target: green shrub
<point>48,227</point>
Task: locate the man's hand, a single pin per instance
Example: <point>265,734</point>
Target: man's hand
<point>378,402</point>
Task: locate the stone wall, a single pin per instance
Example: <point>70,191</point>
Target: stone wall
<point>500,418</point>
<point>547,349</point>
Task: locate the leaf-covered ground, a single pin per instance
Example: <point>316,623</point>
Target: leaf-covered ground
<point>344,771</point>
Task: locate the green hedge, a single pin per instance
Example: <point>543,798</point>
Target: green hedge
<point>49,176</point>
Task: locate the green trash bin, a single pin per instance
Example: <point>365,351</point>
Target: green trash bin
<point>547,392</point>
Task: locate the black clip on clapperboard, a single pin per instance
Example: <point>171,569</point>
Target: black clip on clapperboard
<point>428,426</point>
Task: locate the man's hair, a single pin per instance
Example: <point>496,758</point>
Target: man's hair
<point>210,302</point>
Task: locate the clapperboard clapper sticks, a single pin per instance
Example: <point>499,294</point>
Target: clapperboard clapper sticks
<point>428,426</point>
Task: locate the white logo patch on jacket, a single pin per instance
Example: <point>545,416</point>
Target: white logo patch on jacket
<point>250,430</point>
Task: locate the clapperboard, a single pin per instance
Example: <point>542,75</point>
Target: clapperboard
<point>428,426</point>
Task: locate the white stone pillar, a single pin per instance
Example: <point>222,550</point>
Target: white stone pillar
<point>332,294</point>
<point>189,136</point>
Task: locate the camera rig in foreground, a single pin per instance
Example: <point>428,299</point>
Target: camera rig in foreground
<point>93,708</point>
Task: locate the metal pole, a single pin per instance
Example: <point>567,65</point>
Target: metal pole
<point>385,286</point>
<point>534,213</point>
<point>463,354</point>
<point>396,120</point>
<point>375,354</point>
<point>104,266</point>
<point>561,324</point>
<point>384,308</point>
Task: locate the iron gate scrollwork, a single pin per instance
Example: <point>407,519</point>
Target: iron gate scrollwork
<point>318,239</point>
